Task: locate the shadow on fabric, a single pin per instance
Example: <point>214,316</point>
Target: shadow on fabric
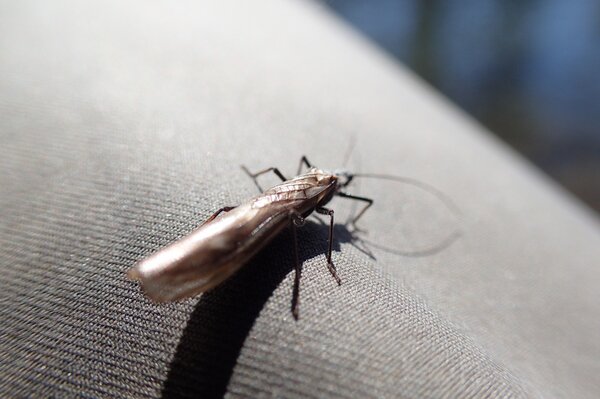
<point>217,328</point>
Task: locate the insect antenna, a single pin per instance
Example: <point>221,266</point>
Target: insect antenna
<point>416,183</point>
<point>439,195</point>
<point>349,151</point>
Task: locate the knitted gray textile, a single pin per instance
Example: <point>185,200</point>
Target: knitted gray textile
<point>122,127</point>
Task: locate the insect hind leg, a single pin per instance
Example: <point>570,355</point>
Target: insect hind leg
<point>253,176</point>
<point>217,213</point>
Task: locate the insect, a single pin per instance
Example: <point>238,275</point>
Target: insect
<point>222,245</point>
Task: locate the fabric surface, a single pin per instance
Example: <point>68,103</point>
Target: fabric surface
<point>123,126</point>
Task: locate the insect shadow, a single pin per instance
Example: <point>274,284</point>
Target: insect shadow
<point>223,317</point>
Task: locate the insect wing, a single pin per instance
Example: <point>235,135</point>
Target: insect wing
<point>209,255</point>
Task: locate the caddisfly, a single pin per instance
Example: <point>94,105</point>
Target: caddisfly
<point>220,246</point>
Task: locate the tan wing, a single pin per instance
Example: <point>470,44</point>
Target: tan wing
<point>209,255</point>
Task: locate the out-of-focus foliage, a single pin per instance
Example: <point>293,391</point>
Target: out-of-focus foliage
<point>527,69</point>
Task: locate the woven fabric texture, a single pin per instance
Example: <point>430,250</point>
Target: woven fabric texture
<point>122,127</point>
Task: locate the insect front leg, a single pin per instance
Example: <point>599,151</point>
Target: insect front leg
<point>253,176</point>
<point>214,215</point>
<point>330,265</point>
<point>369,202</point>
<point>296,220</point>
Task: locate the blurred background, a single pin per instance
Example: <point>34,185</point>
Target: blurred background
<point>529,70</point>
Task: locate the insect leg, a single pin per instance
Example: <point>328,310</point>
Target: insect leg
<point>214,215</point>
<point>253,176</point>
<point>296,220</point>
<point>369,202</point>
<point>330,265</point>
<point>304,161</point>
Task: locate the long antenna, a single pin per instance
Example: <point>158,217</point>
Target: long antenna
<point>349,151</point>
<point>431,190</point>
<point>445,243</point>
<point>347,156</point>
<point>414,182</point>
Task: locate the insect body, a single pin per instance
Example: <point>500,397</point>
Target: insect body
<point>220,246</point>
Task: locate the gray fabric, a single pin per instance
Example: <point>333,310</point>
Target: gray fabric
<point>122,127</point>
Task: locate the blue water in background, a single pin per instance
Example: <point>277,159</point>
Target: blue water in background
<point>529,70</point>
